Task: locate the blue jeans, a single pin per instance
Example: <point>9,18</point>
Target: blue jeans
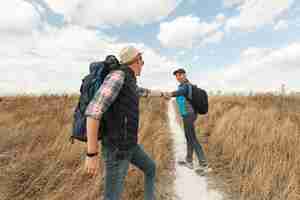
<point>191,138</point>
<point>116,167</point>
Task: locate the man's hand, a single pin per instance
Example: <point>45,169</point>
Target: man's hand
<point>92,165</point>
<point>167,95</point>
<point>155,93</point>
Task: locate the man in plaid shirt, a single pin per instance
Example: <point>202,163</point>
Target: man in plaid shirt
<point>119,86</point>
<point>108,92</point>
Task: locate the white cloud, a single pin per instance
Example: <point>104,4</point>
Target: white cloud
<point>220,18</point>
<point>36,57</point>
<point>231,3</point>
<point>18,17</point>
<point>214,38</point>
<point>260,70</point>
<point>254,53</point>
<point>113,12</point>
<point>281,25</point>
<point>56,59</point>
<point>192,32</point>
<point>256,13</point>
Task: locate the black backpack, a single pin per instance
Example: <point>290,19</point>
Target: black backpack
<point>199,100</point>
<point>90,84</point>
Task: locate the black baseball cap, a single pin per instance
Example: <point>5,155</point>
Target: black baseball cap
<point>180,70</point>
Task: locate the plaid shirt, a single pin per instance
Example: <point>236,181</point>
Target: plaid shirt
<point>108,92</point>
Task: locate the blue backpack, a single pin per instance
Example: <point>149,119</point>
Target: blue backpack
<point>90,84</point>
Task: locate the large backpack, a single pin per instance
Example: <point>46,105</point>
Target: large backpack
<point>89,86</point>
<point>199,100</point>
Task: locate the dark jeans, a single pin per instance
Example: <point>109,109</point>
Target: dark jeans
<point>192,141</point>
<point>116,167</point>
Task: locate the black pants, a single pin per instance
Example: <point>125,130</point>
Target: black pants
<point>192,141</point>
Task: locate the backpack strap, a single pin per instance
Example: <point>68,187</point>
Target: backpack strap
<point>189,94</point>
<point>190,91</point>
<point>126,70</point>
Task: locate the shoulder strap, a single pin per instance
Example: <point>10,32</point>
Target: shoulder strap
<point>190,91</point>
<point>125,69</point>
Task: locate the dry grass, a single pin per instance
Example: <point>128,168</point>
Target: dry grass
<point>255,146</point>
<point>38,162</point>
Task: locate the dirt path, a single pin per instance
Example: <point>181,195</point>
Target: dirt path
<point>188,185</point>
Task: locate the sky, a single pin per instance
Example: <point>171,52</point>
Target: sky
<point>224,45</point>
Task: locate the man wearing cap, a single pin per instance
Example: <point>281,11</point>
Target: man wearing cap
<point>189,117</point>
<point>115,109</point>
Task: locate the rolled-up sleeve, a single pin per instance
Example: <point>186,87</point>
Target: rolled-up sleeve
<point>182,91</point>
<point>106,94</point>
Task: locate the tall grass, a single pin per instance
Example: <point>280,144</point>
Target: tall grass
<point>255,146</point>
<point>38,162</point>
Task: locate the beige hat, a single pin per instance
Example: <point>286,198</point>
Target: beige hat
<point>127,54</point>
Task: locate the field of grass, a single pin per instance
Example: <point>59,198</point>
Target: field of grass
<point>255,146</point>
<point>37,162</point>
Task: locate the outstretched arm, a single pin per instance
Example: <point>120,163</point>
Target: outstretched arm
<point>182,91</point>
<point>144,92</point>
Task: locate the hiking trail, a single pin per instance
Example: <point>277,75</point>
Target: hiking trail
<point>188,185</point>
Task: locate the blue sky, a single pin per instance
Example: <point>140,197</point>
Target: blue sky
<point>228,45</point>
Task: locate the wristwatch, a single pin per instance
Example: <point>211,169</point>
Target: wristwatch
<point>91,154</point>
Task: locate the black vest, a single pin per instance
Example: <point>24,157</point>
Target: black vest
<point>121,120</point>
